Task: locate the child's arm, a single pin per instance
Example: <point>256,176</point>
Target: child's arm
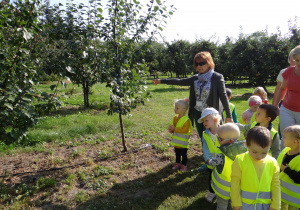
<point>275,190</point>
<point>244,128</point>
<point>235,189</point>
<point>294,175</point>
<point>206,152</point>
<point>245,116</point>
<point>275,146</point>
<point>171,128</point>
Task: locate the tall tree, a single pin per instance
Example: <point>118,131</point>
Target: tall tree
<point>129,22</point>
<point>18,38</point>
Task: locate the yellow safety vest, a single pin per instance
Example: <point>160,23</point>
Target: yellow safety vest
<point>212,146</point>
<point>181,139</point>
<point>221,182</point>
<point>256,194</point>
<point>253,118</point>
<point>290,191</point>
<point>273,133</point>
<point>231,106</point>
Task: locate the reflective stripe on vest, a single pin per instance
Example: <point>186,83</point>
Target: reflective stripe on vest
<point>290,191</point>
<point>176,141</point>
<point>253,196</point>
<point>292,200</point>
<point>180,135</point>
<point>261,206</point>
<point>219,191</point>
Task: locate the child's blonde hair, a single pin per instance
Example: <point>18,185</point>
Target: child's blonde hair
<point>229,127</point>
<point>254,100</point>
<point>184,103</point>
<point>217,117</point>
<point>293,130</point>
<point>260,91</point>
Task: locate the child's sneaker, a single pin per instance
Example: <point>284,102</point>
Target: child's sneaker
<point>210,197</point>
<point>183,168</point>
<point>176,166</point>
<point>202,168</point>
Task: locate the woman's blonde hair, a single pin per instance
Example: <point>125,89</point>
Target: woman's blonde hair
<point>296,51</point>
<point>207,57</point>
<point>293,130</point>
<point>290,56</point>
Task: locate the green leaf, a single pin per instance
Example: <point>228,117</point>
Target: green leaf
<point>26,34</point>
<point>52,87</point>
<point>8,106</point>
<point>158,2</point>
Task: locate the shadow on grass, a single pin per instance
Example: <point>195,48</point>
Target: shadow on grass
<point>164,189</point>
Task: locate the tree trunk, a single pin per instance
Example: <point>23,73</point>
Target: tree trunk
<point>122,132</point>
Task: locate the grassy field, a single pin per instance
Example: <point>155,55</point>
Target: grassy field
<point>79,164</point>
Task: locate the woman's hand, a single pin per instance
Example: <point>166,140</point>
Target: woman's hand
<point>283,167</point>
<point>156,81</point>
<point>228,120</point>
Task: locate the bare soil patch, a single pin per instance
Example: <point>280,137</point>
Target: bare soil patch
<point>60,161</point>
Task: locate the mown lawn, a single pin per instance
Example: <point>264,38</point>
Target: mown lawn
<point>102,178</point>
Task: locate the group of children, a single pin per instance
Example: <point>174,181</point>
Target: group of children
<point>249,177</point>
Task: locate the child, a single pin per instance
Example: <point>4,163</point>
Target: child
<point>210,118</point>
<point>254,102</point>
<point>260,91</point>
<point>221,176</point>
<point>232,106</point>
<point>180,127</point>
<point>289,162</point>
<point>265,115</point>
<point>255,175</point>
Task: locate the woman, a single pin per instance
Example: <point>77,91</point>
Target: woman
<point>290,90</point>
<point>279,81</point>
<point>207,89</point>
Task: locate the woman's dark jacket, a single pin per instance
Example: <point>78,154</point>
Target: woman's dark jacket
<point>217,93</point>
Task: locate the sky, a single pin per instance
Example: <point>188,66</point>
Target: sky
<point>216,19</point>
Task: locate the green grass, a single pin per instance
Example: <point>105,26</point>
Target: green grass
<point>98,186</point>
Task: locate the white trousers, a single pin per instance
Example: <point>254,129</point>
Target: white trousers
<point>287,118</point>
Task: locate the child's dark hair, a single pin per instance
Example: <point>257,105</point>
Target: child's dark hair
<point>228,92</point>
<point>271,111</point>
<point>259,135</point>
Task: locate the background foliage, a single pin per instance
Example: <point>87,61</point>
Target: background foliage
<point>113,44</point>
